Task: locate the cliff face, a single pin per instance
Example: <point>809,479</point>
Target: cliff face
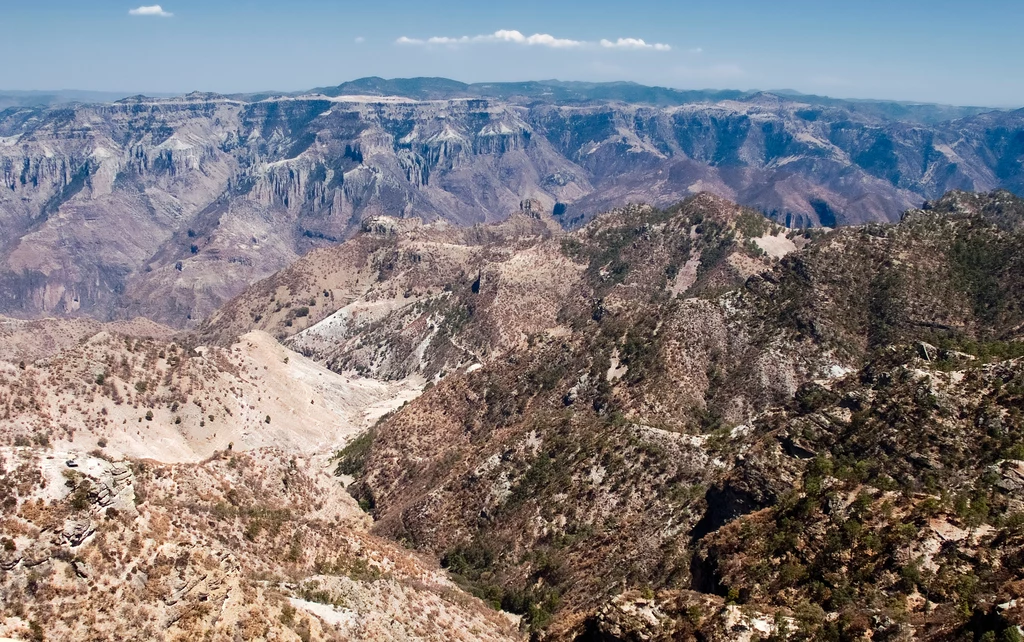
<point>803,165</point>
<point>169,207</point>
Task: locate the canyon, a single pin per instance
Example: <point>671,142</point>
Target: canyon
<point>168,207</point>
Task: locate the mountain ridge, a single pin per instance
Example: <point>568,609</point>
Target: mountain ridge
<point>422,87</point>
<point>213,192</point>
<point>567,466</point>
<point>669,423</point>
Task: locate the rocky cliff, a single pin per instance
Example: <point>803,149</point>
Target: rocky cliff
<point>168,207</point>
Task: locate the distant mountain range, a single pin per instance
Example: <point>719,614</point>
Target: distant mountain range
<point>169,206</point>
<point>555,91</point>
<point>12,98</point>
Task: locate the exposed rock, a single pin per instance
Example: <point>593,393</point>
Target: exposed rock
<point>77,531</point>
<point>210,194</point>
<point>184,564</point>
<point>778,452</point>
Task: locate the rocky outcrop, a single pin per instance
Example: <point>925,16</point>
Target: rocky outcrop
<point>264,545</point>
<point>208,194</point>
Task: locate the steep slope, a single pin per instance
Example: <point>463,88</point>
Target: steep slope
<point>883,505</point>
<point>516,310</point>
<point>905,519</point>
<point>208,194</point>
<point>170,402</point>
<point>614,452</point>
<point>205,505</point>
<point>667,424</point>
<point>431,298</point>
<point>262,546</point>
<point>389,301</point>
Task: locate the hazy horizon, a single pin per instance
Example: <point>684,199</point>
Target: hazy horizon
<point>909,51</point>
<point>117,95</point>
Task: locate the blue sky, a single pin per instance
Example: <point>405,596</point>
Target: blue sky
<point>942,51</point>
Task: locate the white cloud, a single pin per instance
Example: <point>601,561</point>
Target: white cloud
<point>537,40</point>
<point>542,39</point>
<point>153,10</point>
<point>502,35</point>
<point>697,50</point>
<point>360,40</point>
<point>634,43</point>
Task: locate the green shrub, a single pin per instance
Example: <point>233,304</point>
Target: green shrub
<point>352,458</point>
<point>80,496</point>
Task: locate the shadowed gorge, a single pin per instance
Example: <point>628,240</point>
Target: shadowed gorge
<point>211,193</point>
<point>421,360</point>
